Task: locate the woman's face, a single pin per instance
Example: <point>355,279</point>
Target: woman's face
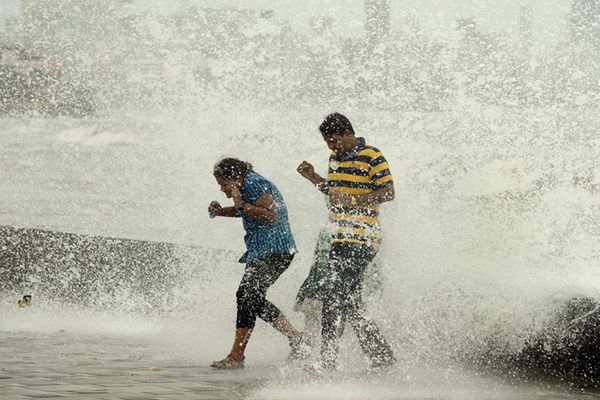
<point>226,186</point>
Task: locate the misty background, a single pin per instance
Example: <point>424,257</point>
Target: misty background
<point>113,113</point>
<point>550,25</point>
<point>86,57</point>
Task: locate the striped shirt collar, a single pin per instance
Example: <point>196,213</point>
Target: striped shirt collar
<point>359,147</point>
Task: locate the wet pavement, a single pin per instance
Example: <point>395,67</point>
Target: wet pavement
<point>109,359</point>
<point>36,366</point>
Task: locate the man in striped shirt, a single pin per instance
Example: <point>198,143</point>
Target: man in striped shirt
<point>358,181</point>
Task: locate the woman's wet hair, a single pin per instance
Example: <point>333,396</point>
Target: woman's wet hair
<point>231,169</point>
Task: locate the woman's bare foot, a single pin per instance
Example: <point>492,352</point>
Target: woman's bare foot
<point>229,362</point>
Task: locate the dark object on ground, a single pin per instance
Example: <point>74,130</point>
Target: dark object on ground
<point>25,301</point>
<point>569,344</point>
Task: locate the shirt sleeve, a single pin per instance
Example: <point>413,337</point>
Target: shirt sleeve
<point>252,189</point>
<point>379,171</point>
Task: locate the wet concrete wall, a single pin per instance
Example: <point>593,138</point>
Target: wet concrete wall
<point>96,270</point>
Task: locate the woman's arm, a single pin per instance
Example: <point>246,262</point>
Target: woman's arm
<point>216,208</point>
<point>264,209</point>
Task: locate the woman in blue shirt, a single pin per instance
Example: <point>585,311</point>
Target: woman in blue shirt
<point>270,248</point>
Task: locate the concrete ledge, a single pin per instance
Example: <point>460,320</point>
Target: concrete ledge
<point>569,343</point>
<point>95,270</point>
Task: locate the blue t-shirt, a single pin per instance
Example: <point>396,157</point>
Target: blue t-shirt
<point>264,239</point>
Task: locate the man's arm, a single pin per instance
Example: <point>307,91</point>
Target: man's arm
<point>381,195</point>
<point>378,196</point>
<point>381,178</point>
<point>308,171</point>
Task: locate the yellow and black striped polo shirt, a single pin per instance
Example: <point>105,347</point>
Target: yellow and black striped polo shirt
<point>360,172</point>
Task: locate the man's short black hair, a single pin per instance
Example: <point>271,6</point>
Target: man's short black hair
<point>231,169</point>
<point>335,123</point>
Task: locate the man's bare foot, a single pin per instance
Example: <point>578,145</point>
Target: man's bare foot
<point>380,364</point>
<point>299,349</point>
<point>229,362</point>
<point>318,370</point>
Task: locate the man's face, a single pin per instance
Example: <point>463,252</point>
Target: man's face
<point>340,143</point>
<point>226,186</point>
